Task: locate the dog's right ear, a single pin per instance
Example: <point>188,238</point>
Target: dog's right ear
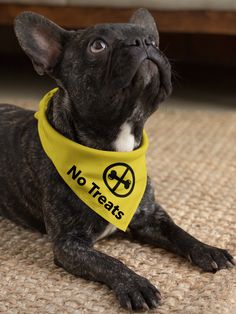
<point>41,39</point>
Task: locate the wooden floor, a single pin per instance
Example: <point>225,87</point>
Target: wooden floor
<point>210,22</point>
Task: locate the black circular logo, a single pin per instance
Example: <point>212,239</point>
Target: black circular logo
<point>120,179</point>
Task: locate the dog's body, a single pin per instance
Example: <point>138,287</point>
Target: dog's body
<point>101,106</point>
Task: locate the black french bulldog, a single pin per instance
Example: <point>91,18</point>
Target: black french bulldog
<point>111,78</point>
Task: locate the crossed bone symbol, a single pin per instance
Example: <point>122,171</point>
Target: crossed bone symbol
<point>113,175</point>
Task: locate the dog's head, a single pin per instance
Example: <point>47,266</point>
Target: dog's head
<point>111,73</point>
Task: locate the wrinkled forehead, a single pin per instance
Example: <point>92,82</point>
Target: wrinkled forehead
<point>116,31</point>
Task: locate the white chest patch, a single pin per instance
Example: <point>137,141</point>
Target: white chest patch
<point>125,140</point>
<point>123,143</point>
<point>109,230</point>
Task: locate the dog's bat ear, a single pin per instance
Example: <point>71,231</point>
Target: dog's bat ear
<point>41,39</point>
<point>143,18</point>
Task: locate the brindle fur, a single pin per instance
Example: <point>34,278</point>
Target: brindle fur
<point>97,95</point>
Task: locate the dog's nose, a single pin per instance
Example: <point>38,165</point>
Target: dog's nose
<point>141,42</point>
<point>138,42</point>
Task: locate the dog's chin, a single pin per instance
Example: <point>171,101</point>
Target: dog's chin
<point>146,79</point>
<point>147,73</point>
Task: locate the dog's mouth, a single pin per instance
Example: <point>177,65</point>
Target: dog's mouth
<point>135,67</point>
<point>153,72</point>
<point>146,74</point>
<point>164,68</point>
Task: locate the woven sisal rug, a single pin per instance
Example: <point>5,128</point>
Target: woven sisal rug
<point>192,160</point>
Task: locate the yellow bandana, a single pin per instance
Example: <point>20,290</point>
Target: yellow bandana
<point>110,183</point>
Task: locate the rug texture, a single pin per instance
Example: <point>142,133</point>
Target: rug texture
<point>192,160</point>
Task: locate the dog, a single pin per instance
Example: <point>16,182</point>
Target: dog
<point>110,78</point>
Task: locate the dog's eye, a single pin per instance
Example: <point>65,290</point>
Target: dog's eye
<point>98,46</point>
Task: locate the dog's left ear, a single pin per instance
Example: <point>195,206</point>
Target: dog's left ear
<point>143,18</point>
<point>42,40</point>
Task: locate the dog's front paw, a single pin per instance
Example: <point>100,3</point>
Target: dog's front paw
<point>211,259</point>
<point>137,293</point>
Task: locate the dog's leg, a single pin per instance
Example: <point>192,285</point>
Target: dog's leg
<point>77,256</point>
<point>151,224</point>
